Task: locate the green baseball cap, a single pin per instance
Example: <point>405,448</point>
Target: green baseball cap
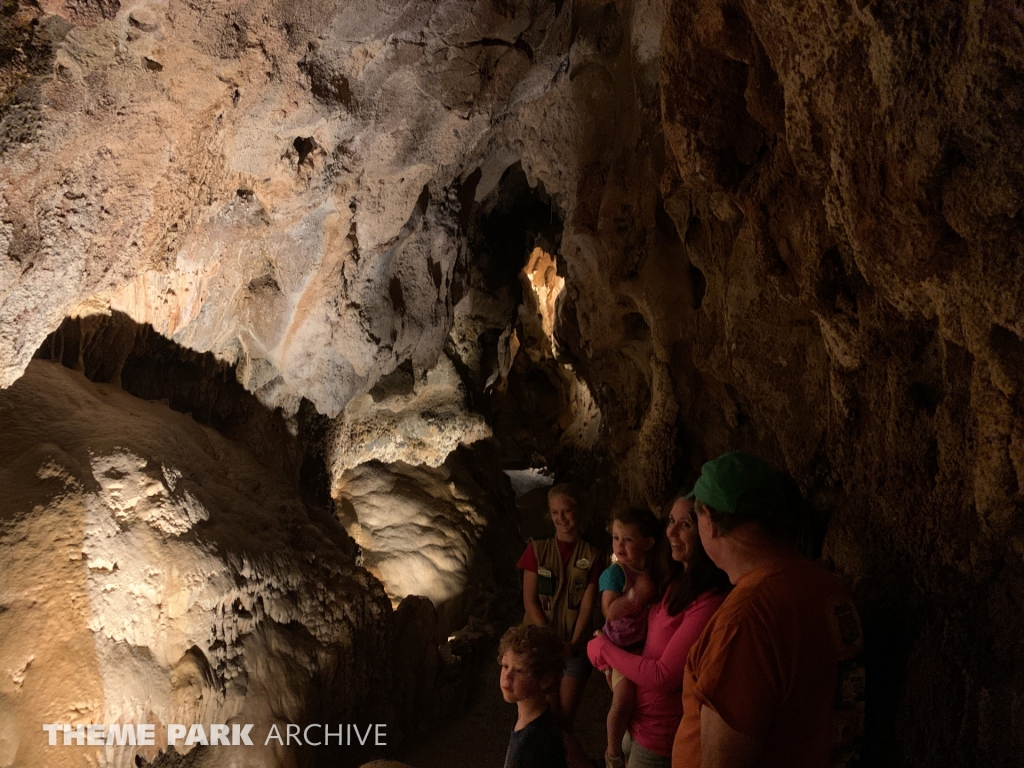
<point>724,481</point>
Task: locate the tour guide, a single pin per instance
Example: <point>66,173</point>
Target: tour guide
<point>774,680</point>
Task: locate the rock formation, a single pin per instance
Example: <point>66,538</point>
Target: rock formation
<point>439,533</point>
<point>790,228</point>
<point>274,182</point>
<point>154,573</point>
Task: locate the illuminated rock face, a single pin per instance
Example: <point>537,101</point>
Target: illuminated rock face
<point>788,227</point>
<point>276,183</point>
<point>418,534</point>
<point>445,533</point>
<point>154,573</point>
<point>414,419</point>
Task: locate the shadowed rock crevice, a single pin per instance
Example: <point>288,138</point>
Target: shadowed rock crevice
<point>513,375</point>
<point>113,349</point>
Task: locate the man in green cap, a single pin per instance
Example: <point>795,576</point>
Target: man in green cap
<point>775,679</point>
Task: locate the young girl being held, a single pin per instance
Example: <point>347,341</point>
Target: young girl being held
<point>626,590</point>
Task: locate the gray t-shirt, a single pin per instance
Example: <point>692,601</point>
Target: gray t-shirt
<point>538,745</point>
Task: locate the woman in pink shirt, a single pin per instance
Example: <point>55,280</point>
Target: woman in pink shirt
<point>691,589</point>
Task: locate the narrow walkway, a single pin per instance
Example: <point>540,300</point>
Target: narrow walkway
<point>478,738</point>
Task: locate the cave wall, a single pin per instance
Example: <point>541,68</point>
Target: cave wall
<point>847,178</point>
<point>155,572</point>
<point>113,349</point>
<point>273,182</point>
<point>807,244</point>
<point>793,228</point>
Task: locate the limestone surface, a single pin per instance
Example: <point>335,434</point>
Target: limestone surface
<point>444,533</point>
<point>155,573</point>
<point>277,183</point>
<point>416,420</point>
<point>845,179</point>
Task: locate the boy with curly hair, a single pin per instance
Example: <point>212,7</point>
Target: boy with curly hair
<point>531,660</point>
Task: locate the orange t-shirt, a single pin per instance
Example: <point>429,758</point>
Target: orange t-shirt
<point>779,661</point>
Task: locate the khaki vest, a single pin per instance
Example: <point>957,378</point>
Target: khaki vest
<point>562,593</point>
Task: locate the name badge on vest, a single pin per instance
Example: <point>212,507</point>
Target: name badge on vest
<point>583,564</point>
<point>545,582</point>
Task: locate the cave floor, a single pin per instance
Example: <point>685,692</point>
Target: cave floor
<point>478,737</point>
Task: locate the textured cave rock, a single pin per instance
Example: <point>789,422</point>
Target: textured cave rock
<point>446,533</point>
<point>542,411</point>
<point>847,180</point>
<point>793,228</point>
<point>277,183</point>
<point>154,572</point>
<point>502,336</point>
<point>417,420</point>
<point>113,349</point>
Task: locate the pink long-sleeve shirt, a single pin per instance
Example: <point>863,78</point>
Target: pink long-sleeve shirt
<point>658,671</point>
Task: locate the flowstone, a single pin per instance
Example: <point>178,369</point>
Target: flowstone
<point>156,573</point>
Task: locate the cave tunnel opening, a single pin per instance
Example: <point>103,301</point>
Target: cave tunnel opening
<point>515,235</point>
<point>509,223</point>
<point>527,390</point>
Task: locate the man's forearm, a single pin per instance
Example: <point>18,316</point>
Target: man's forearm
<point>723,747</point>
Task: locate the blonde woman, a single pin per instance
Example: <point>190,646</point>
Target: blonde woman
<point>560,591</point>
